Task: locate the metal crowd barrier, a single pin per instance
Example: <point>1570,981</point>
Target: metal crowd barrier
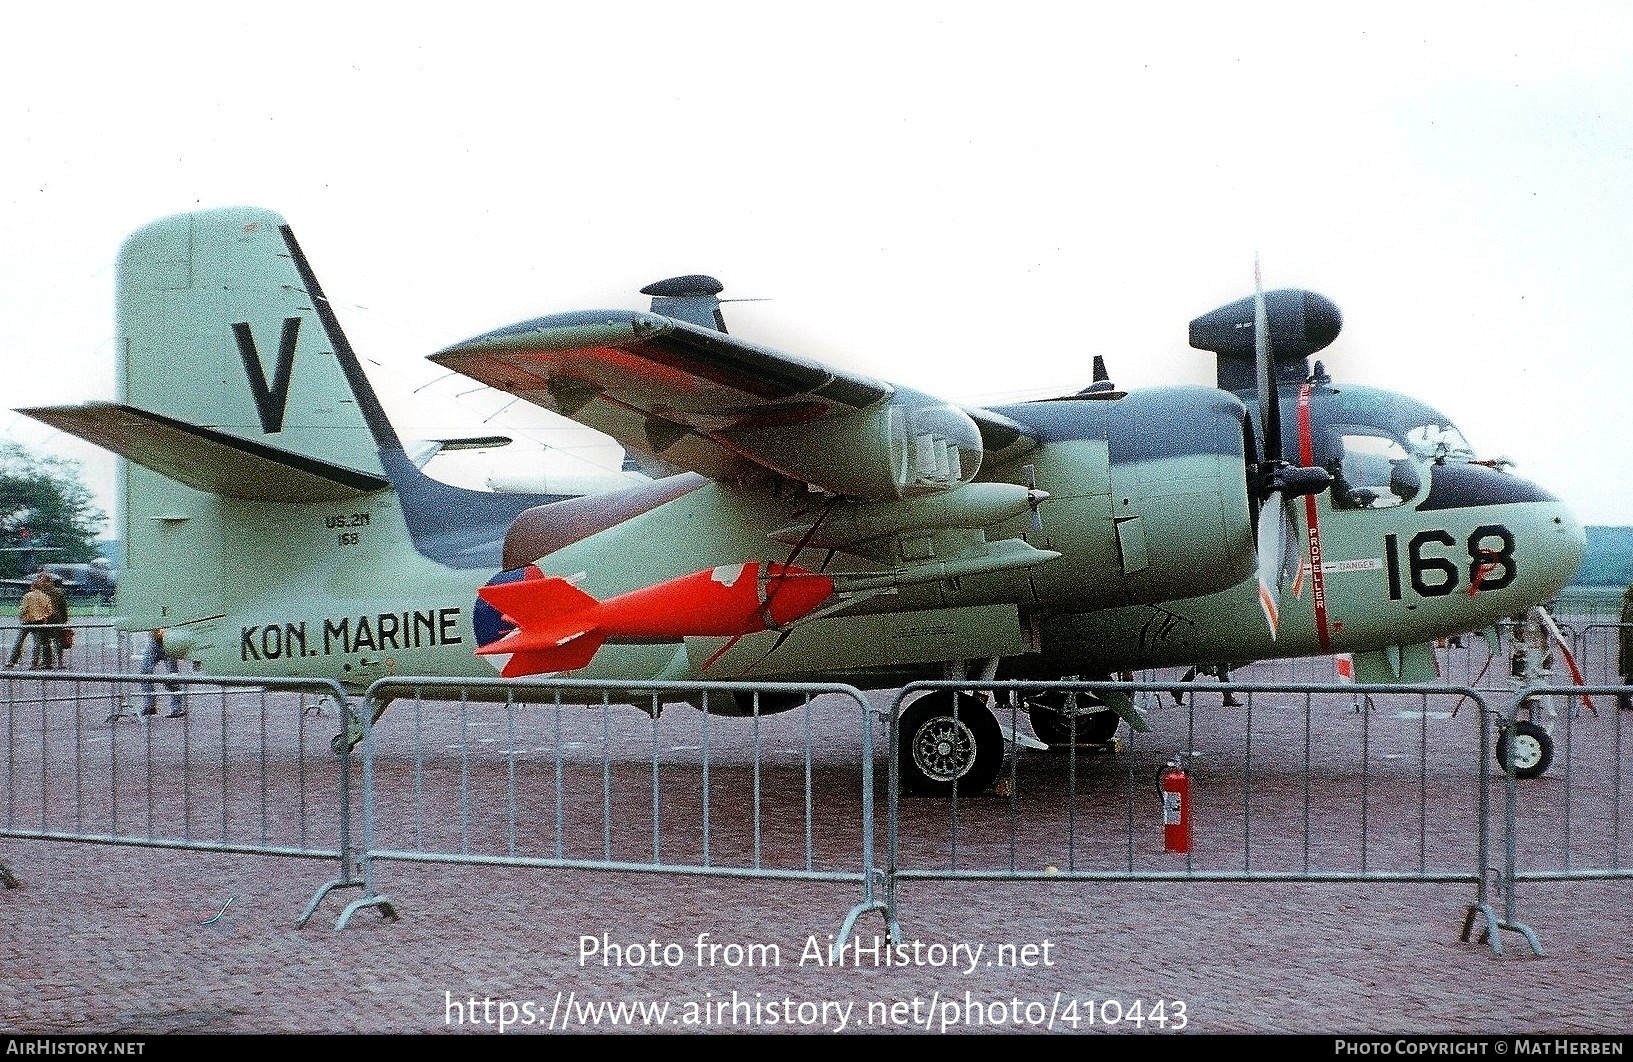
<point>1597,648</point>
<point>82,762</point>
<point>98,645</point>
<point>566,773</point>
<point>1300,782</point>
<point>1580,824</point>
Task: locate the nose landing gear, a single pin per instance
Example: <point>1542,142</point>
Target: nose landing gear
<point>1531,746</point>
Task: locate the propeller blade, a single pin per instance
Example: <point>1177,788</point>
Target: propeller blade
<point>1264,364</point>
<point>1292,548</point>
<point>1276,482</point>
<point>1272,535</point>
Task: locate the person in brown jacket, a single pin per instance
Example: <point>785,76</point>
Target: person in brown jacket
<point>36,609</point>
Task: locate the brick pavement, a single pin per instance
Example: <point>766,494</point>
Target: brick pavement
<point>143,941</point>
<point>121,940</point>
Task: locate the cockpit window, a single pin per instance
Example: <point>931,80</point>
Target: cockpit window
<point>1374,473</point>
<point>1438,442</point>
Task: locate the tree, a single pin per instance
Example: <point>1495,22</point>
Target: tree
<point>44,505</point>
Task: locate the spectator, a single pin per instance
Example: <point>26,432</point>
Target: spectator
<point>154,658</point>
<point>36,610</point>
<point>61,637</point>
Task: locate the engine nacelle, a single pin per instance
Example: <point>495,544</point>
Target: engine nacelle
<point>907,447</point>
<point>1179,493</point>
<point>1148,496</point>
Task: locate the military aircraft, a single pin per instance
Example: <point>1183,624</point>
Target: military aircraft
<point>95,580</point>
<point>824,524</point>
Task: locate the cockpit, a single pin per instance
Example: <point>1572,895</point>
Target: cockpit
<point>1438,442</point>
<point>1380,446</point>
<point>1382,449</point>
<point>1373,472</point>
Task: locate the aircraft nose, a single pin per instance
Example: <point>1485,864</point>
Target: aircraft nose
<point>1571,545</point>
<point>1553,542</point>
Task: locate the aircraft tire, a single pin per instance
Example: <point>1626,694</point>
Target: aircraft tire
<point>938,754</point>
<point>1533,749</point>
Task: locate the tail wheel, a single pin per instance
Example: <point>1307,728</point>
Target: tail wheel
<point>1533,749</point>
<point>949,742</point>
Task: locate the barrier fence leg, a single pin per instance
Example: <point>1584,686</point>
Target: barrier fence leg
<point>348,877</point>
<point>370,898</point>
<point>1505,875</point>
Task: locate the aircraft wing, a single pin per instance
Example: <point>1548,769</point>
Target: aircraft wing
<point>709,402</point>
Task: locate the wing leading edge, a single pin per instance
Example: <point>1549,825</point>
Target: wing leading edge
<point>712,403</point>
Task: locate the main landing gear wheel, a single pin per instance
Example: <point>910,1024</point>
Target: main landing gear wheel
<point>1533,749</point>
<point>1055,728</point>
<point>938,753</point>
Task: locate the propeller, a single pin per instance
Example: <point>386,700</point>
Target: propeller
<point>1276,482</point>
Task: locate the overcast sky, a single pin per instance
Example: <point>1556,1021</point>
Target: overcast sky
<point>971,199</point>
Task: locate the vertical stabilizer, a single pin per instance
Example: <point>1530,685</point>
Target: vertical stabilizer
<point>218,327</point>
<point>260,465</point>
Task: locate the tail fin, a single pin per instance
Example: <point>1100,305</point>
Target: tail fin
<point>559,629</point>
<point>222,325</point>
<point>238,387</point>
<point>229,391</point>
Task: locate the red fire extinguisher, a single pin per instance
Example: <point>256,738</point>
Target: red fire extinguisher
<point>1174,782</point>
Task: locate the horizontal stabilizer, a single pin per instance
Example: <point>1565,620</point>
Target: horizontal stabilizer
<point>206,459</point>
